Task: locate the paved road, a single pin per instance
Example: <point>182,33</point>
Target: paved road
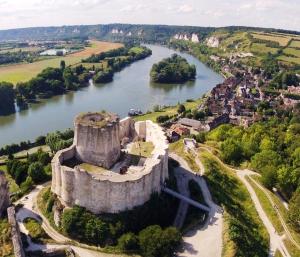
<point>29,209</point>
<point>204,240</point>
<point>276,241</point>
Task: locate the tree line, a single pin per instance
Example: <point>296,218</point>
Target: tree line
<point>175,69</point>
<point>116,60</point>
<point>50,82</point>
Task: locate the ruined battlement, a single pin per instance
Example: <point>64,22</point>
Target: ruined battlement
<point>109,191</point>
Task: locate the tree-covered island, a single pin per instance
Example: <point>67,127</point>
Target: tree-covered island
<point>175,69</point>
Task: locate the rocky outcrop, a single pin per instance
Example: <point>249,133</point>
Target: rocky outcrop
<point>15,233</point>
<point>213,42</point>
<point>4,193</point>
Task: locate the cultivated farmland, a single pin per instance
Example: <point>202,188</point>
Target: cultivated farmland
<point>25,71</point>
<point>281,39</point>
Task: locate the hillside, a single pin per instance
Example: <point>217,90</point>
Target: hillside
<point>121,32</point>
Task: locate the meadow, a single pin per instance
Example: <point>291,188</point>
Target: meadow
<point>295,43</point>
<point>281,39</point>
<point>260,48</point>
<point>25,71</point>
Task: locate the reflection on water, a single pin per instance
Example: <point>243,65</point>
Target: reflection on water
<point>131,88</point>
<point>169,87</point>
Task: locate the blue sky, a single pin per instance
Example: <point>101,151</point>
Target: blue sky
<point>263,13</point>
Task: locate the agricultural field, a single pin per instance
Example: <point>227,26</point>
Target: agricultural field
<point>288,59</point>
<point>281,39</point>
<point>295,43</point>
<point>236,41</point>
<point>23,72</point>
<point>260,48</point>
<point>23,49</point>
<point>292,51</point>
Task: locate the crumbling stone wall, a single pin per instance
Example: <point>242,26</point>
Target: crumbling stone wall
<point>4,193</point>
<point>114,193</point>
<point>15,233</point>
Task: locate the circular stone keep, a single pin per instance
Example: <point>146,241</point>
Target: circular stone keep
<point>97,138</point>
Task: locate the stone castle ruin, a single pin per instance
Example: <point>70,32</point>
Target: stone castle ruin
<point>101,173</point>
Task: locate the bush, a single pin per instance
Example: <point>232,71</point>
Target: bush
<point>128,241</point>
<point>155,242</point>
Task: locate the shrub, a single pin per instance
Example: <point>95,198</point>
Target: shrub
<point>128,241</point>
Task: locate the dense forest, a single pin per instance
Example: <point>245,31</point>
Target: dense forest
<point>175,69</point>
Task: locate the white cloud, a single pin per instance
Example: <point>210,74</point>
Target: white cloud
<point>185,8</point>
<point>264,13</point>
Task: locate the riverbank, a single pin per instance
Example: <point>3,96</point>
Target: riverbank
<point>131,88</point>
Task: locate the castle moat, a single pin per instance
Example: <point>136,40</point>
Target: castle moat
<point>131,88</point>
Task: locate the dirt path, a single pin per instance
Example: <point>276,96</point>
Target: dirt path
<point>276,241</point>
<point>286,229</point>
<point>197,241</point>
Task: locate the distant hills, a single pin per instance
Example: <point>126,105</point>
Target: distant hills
<point>120,32</point>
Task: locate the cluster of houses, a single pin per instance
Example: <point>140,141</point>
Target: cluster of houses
<point>234,101</point>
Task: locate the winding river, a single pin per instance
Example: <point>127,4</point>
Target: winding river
<point>131,88</point>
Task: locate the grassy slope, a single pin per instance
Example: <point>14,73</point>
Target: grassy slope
<point>25,71</point>
<point>13,187</point>
<point>244,233</point>
<point>240,42</point>
<point>273,216</point>
<point>167,111</point>
<point>6,248</point>
<point>36,231</point>
<point>178,148</point>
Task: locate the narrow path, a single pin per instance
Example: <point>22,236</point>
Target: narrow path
<point>286,229</point>
<point>197,242</point>
<point>276,241</point>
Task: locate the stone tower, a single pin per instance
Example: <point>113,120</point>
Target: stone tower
<point>97,138</point>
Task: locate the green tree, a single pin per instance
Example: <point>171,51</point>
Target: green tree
<point>36,172</point>
<point>128,241</point>
<point>231,151</point>
<point>62,65</point>
<point>155,242</point>
<point>181,108</point>
<point>96,231</point>
<point>294,213</point>
<point>7,98</point>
